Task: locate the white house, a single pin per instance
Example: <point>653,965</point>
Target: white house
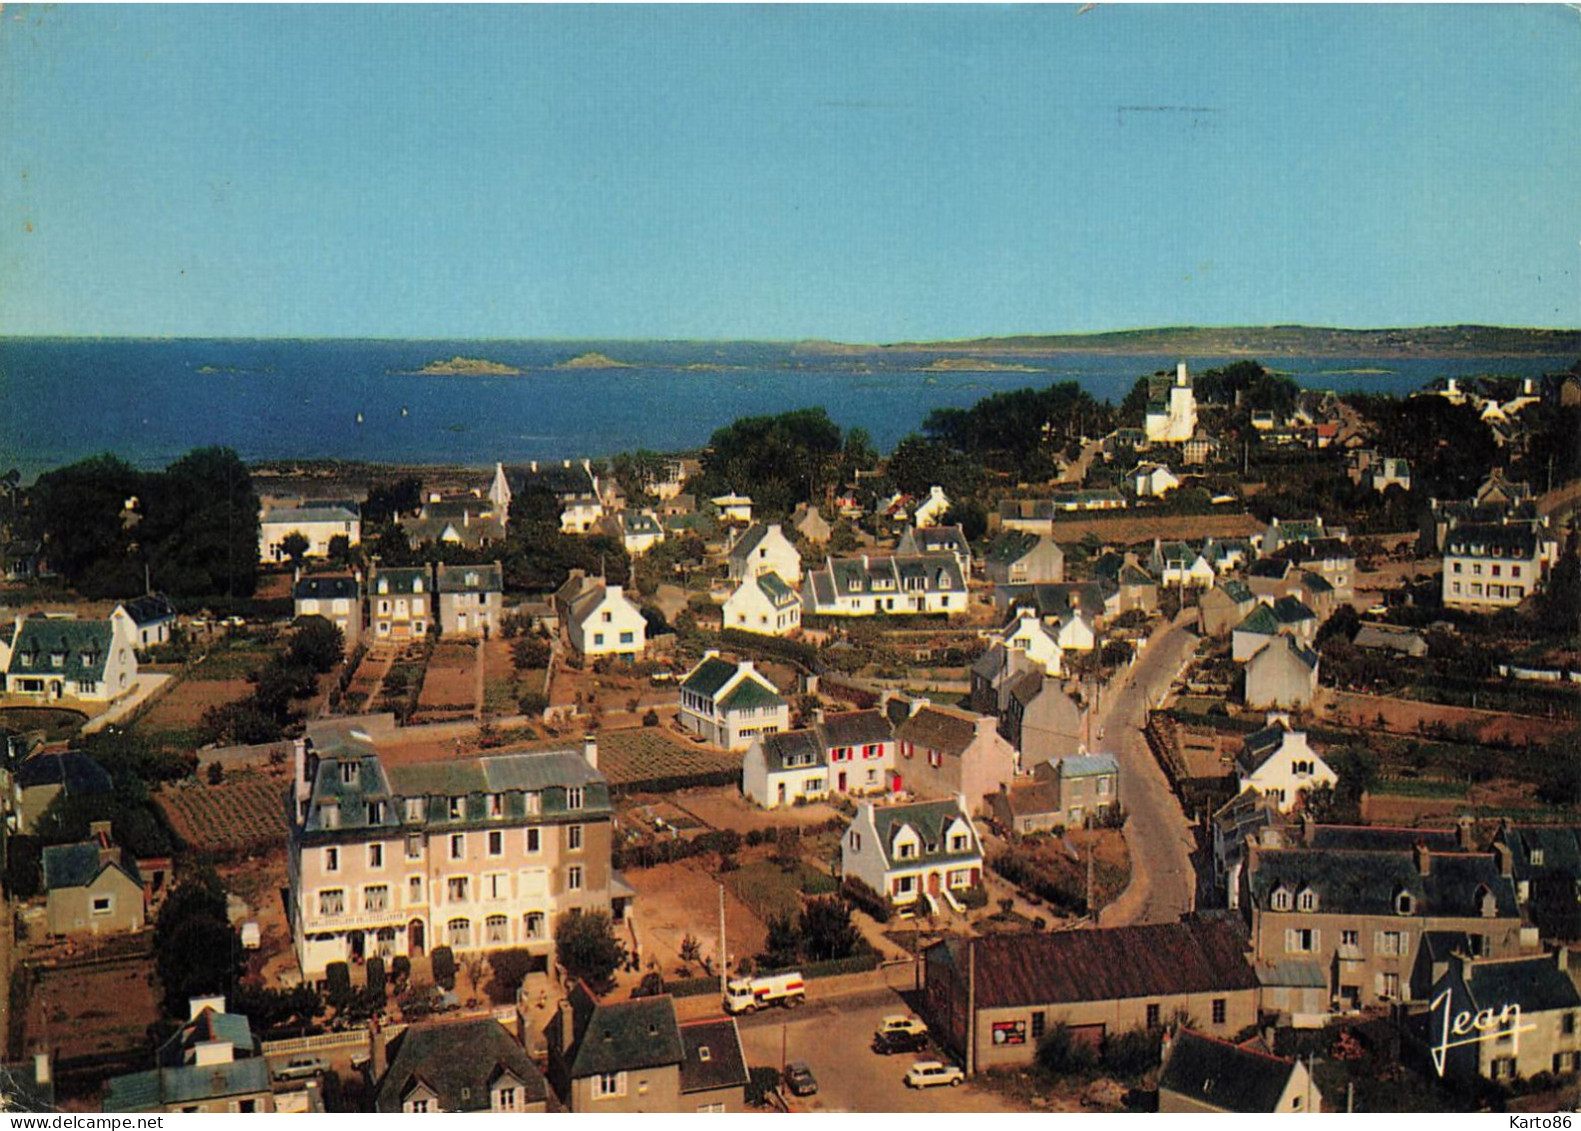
<point>317,522</point>
<point>904,851</point>
<point>763,549</point>
<point>146,620</point>
<point>63,657</point>
<point>1075,633</point>
<point>603,621</point>
<point>764,604</point>
<point>852,752</point>
<point>930,511</point>
<point>730,704</point>
<point>1282,676</point>
<point>782,769</point>
<point>1153,480</point>
<point>733,507</point>
<point>573,485</point>
<point>1280,764</point>
<point>1027,634</point>
<point>869,584</point>
<point>638,531</point>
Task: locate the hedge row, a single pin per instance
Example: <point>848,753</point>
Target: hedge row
<point>833,967</point>
<point>692,987</point>
<point>859,893</point>
<point>796,651</point>
<point>675,782</point>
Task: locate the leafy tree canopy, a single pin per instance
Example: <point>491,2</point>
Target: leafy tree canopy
<point>586,945</point>
<point>778,460</point>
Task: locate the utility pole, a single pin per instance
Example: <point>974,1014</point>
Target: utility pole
<point>724,955</point>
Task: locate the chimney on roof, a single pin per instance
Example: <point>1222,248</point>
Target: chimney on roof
<point>534,465</point>
<point>196,1005</point>
<point>590,749</point>
<point>1308,829</point>
<point>1466,833</point>
<point>1505,858</point>
<point>42,1073</point>
<point>1424,859</point>
<point>1180,375</point>
<point>567,1033</point>
<point>375,1049</point>
<point>565,463</point>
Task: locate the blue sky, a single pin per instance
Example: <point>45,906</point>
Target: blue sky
<point>856,173</point>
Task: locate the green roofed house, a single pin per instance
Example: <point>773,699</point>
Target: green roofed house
<point>1286,616</point>
<point>64,658</point>
<point>729,704</point>
<point>459,1066</point>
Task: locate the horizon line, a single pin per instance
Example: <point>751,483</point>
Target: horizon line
<point>812,339</point>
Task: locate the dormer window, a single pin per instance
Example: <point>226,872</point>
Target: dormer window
<point>417,585</point>
<point>1280,900</point>
<point>348,773</point>
<point>1307,900</point>
<point>1537,857</point>
<point>573,797</point>
<point>457,808</point>
<point>384,585</point>
<point>1404,903</point>
<point>415,807</point>
<point>57,659</point>
<point>329,816</point>
<point>1487,902</point>
<point>375,812</point>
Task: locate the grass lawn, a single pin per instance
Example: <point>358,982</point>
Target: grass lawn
<point>768,890</point>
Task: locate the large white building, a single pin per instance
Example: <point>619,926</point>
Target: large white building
<point>1172,411</point>
<point>317,522</point>
<point>480,854</point>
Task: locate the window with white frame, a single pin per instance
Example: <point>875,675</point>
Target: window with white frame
<point>573,878</point>
<point>375,856</point>
<point>414,890</point>
<point>376,897</point>
<point>573,838</point>
<point>1301,940</point>
<point>459,932</point>
<point>102,905</point>
<point>607,1085</point>
<point>332,859</point>
<point>573,797</point>
<point>458,846</point>
<point>458,889</point>
<point>496,930</point>
<point>533,925</point>
<point>414,846</point>
<point>497,886</point>
<point>332,901</point>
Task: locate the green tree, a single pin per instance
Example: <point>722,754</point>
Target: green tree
<point>826,929</point>
<point>295,546</point>
<point>389,500</point>
<point>200,534</point>
<point>196,951</point>
<point>586,945</point>
<point>318,644</point>
<point>778,460</point>
<point>340,550</point>
<point>77,511</point>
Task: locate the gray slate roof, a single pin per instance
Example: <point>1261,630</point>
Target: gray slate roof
<point>624,1035</point>
<point>83,645</point>
<point>77,772</point>
<point>326,587</point>
<point>1367,882</point>
<point>1535,984</point>
<point>1222,1075</point>
<point>152,609</point>
<point>190,1084</point>
<point>930,819</point>
<point>460,1062</point>
<point>713,1056</point>
<point>470,579</point>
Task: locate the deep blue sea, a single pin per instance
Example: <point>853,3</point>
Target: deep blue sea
<point>151,401</point>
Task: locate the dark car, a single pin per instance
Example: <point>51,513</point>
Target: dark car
<point>886,1044</point>
<point>800,1080</point>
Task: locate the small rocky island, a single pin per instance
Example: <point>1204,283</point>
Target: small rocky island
<point>594,361</point>
<point>469,367</point>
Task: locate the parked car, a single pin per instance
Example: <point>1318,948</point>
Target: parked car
<point>931,1073</point>
<point>886,1044</point>
<point>800,1080</point>
<point>301,1067</point>
<point>901,1023</point>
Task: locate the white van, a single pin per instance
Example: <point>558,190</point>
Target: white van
<point>744,995</point>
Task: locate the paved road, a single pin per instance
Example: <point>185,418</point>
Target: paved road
<point>1163,884</point>
<point>834,1039</point>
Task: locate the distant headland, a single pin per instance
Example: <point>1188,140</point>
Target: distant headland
<point>976,365</point>
<point>1257,341</point>
<point>469,367</point>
